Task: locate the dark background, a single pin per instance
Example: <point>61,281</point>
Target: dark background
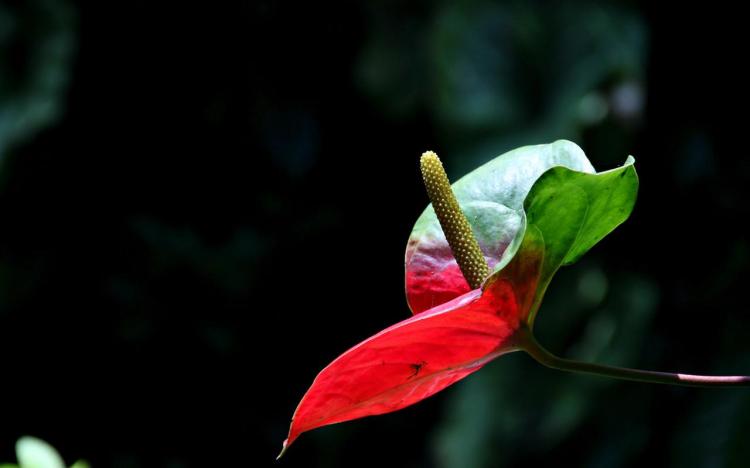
<point>201,205</point>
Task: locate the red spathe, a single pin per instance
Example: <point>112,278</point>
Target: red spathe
<point>412,359</point>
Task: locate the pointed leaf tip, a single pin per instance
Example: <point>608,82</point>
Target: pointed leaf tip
<point>284,448</point>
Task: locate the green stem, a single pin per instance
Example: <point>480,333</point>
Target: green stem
<point>528,343</point>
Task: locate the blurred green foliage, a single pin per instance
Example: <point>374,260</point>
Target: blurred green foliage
<point>37,44</point>
<point>495,75</point>
<point>36,453</point>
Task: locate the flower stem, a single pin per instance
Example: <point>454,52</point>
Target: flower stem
<point>528,343</point>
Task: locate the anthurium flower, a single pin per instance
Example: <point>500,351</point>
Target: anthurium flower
<point>527,212</point>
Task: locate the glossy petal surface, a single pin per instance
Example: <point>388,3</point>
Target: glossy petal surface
<point>422,355</point>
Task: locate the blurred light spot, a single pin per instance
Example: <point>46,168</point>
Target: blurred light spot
<point>598,336</point>
<point>592,108</point>
<point>627,101</point>
<point>643,298</point>
<point>592,287</point>
<point>564,415</point>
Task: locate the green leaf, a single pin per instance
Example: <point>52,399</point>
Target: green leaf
<point>36,453</point>
<point>572,211</point>
<point>607,197</point>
